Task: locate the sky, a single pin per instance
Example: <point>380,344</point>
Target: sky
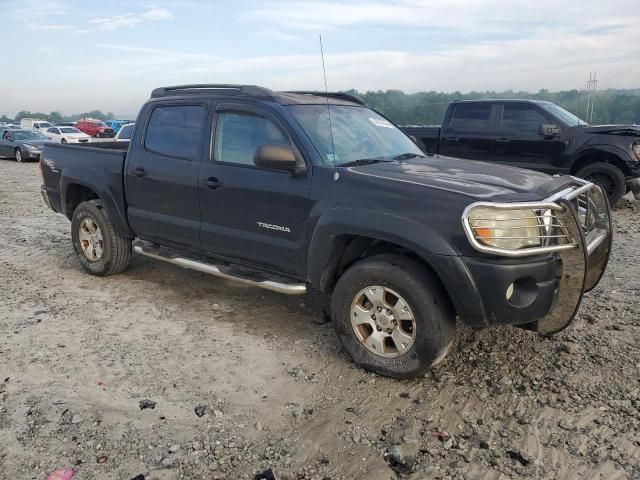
<point>75,56</point>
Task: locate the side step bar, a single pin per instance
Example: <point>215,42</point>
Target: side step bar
<point>243,277</point>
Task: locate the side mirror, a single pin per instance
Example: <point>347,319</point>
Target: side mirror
<point>9,138</point>
<point>549,130</point>
<point>277,157</point>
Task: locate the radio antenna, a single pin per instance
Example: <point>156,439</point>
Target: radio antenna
<point>326,91</point>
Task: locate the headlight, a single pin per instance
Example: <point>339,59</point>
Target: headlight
<point>506,229</point>
<point>636,150</point>
<point>32,147</point>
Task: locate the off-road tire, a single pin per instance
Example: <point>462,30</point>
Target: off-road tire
<point>116,247</point>
<point>615,187</point>
<point>434,316</point>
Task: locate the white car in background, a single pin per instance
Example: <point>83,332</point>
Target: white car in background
<point>67,135</point>
<point>124,134</point>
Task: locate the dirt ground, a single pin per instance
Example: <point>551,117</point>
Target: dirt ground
<point>78,354</point>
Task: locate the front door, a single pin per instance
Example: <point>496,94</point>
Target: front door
<point>162,174</point>
<point>519,141</point>
<point>253,215</point>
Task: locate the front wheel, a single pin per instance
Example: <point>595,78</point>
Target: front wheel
<point>393,316</point>
<point>18,155</point>
<point>101,249</point>
<point>63,140</point>
<point>607,176</point>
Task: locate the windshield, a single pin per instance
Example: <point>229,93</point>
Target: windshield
<point>568,118</point>
<point>70,130</point>
<point>98,124</point>
<point>358,133</point>
<point>21,135</point>
<point>44,125</point>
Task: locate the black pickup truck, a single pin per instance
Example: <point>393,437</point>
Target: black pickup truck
<point>539,136</point>
<point>291,191</point>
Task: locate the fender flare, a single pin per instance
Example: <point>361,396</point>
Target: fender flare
<point>603,148</point>
<point>386,227</point>
<point>416,237</point>
<point>78,176</point>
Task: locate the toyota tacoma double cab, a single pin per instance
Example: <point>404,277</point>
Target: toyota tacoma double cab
<point>292,191</point>
<point>541,136</point>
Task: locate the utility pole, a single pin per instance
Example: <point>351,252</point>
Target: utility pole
<point>592,86</point>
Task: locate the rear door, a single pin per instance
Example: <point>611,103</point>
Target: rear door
<point>254,215</point>
<point>467,132</point>
<point>162,173</point>
<point>519,141</point>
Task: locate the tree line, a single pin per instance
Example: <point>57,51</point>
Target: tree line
<point>427,108</point>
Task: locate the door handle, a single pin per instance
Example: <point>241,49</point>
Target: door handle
<point>452,139</point>
<point>212,183</point>
<point>139,172</point>
<point>503,140</point>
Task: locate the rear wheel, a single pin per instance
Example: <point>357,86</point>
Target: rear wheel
<point>18,155</point>
<point>101,249</point>
<point>393,316</point>
<point>607,176</point>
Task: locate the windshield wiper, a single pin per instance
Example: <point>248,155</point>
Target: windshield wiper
<point>364,161</point>
<point>407,156</point>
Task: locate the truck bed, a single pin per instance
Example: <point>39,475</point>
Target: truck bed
<point>99,164</point>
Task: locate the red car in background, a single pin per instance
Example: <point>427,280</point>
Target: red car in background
<point>95,128</point>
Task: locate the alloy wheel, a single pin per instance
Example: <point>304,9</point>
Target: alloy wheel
<point>90,238</point>
<point>383,321</point>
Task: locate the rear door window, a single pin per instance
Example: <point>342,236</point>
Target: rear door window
<point>471,117</point>
<point>175,130</point>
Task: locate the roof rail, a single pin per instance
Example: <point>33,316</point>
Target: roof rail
<point>252,90</point>
<point>337,95</point>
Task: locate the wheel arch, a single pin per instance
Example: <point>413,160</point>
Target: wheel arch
<point>606,154</point>
<point>75,190</point>
<point>334,247</point>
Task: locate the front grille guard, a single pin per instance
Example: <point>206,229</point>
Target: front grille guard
<point>554,219</point>
<point>578,229</point>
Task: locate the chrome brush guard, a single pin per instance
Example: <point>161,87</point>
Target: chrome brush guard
<point>575,224</point>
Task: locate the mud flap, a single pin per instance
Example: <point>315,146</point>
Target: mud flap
<point>588,219</point>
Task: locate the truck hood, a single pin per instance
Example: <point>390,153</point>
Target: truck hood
<point>626,130</point>
<point>474,179</point>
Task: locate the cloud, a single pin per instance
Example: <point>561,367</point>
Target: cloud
<point>157,14</point>
<point>130,20</point>
<point>39,27</point>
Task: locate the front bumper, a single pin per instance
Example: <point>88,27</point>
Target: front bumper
<point>31,154</point>
<point>105,134</point>
<point>544,286</point>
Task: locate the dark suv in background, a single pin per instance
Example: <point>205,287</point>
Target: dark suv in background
<point>539,136</point>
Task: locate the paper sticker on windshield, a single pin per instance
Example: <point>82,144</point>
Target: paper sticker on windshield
<point>380,122</point>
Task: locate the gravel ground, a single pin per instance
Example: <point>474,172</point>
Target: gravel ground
<point>171,373</point>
